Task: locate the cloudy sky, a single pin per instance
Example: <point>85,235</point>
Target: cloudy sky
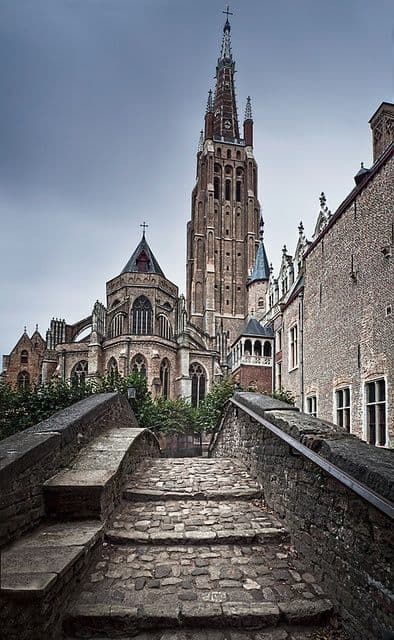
<point>101,106</point>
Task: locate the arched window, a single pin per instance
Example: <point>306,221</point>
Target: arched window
<point>165,378</point>
<point>198,376</point>
<point>228,190</point>
<point>24,357</point>
<point>260,303</point>
<point>79,372</point>
<point>228,153</point>
<point>112,368</point>
<point>117,325</point>
<point>257,348</point>
<point>165,329</point>
<point>248,348</point>
<point>267,349</point>
<point>219,152</point>
<point>216,187</point>
<point>142,316</point>
<point>138,365</point>
<point>23,380</point>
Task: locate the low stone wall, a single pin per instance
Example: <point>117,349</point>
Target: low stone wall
<point>345,540</point>
<point>32,456</point>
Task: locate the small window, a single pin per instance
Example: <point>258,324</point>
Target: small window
<point>228,153</point>
<point>267,349</point>
<point>138,365</point>
<point>279,340</point>
<point>238,155</point>
<point>311,405</point>
<point>293,344</point>
<point>24,357</point>
<point>342,403</point>
<point>228,190</point>
<point>375,395</point>
<point>219,152</point>
<point>216,188</point>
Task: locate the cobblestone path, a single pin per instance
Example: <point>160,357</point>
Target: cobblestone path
<point>191,553</point>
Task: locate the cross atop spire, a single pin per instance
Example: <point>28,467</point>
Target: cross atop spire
<point>144,226</point>
<point>227,12</point>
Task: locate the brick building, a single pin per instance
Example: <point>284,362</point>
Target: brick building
<point>331,306</point>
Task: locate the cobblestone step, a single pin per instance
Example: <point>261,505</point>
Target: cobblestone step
<point>191,479</point>
<point>116,619</point>
<point>194,522</point>
<point>270,633</point>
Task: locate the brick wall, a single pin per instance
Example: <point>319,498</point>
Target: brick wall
<point>343,538</point>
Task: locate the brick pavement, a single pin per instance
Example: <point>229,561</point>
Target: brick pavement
<point>202,566</point>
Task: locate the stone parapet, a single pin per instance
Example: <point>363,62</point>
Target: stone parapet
<point>345,539</point>
<point>29,458</point>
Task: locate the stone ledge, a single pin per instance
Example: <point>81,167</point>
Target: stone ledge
<point>197,537</point>
<point>31,566</point>
<point>147,495</point>
<point>91,487</point>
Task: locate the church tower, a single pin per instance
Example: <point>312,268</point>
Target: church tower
<point>223,233</point>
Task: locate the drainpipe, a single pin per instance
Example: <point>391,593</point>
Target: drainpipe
<point>301,316</point>
<point>63,365</point>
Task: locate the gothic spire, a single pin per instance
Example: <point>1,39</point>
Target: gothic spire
<point>225,108</point>
<point>248,109</point>
<point>261,269</point>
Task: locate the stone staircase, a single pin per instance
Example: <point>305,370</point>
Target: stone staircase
<point>191,553</point>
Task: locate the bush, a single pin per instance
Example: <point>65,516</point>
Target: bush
<point>211,409</point>
<point>284,395</point>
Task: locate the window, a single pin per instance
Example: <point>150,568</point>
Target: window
<point>293,354</point>
<point>117,325</point>
<point>278,340</point>
<point>257,348</point>
<point>165,330</point>
<point>311,405</point>
<point>267,349</point>
<point>342,403</point>
<point>142,262</point>
<point>165,378</point>
<point>23,380</point>
<point>142,316</point>
<point>375,396</point>
<point>238,191</point>
<point>216,187</point>
<point>278,375</point>
<point>228,153</point>
<point>138,365</point>
<point>24,357</point>
<point>228,190</point>
<point>197,374</point>
<point>79,372</point>
<point>112,368</point>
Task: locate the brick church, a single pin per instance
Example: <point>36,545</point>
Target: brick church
<point>322,329</point>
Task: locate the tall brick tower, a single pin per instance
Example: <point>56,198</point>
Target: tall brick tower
<point>223,233</point>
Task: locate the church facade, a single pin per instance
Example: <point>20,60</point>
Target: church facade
<point>322,330</point>
<point>180,345</point>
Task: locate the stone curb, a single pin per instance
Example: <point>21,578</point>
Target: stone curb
<point>115,619</point>
<point>145,495</point>
<point>197,537</point>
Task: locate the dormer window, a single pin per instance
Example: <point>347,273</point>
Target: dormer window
<point>142,262</point>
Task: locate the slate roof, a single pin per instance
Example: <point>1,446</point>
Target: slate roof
<point>261,270</point>
<point>255,329</point>
<point>152,266</point>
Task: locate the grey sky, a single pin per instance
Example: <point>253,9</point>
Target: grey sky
<point>101,106</point>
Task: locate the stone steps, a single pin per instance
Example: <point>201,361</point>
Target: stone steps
<point>91,486</point>
<point>115,619</point>
<point>194,522</point>
<point>286,632</point>
<point>175,566</point>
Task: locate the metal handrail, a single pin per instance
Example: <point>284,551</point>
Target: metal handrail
<point>358,487</point>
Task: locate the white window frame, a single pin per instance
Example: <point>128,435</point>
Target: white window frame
<point>364,397</point>
<point>335,408</point>
<point>293,365</point>
<point>311,396</point>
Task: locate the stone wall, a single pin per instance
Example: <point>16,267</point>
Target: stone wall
<point>29,458</point>
<point>345,540</point>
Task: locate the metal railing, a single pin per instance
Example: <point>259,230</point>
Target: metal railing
<point>358,487</point>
